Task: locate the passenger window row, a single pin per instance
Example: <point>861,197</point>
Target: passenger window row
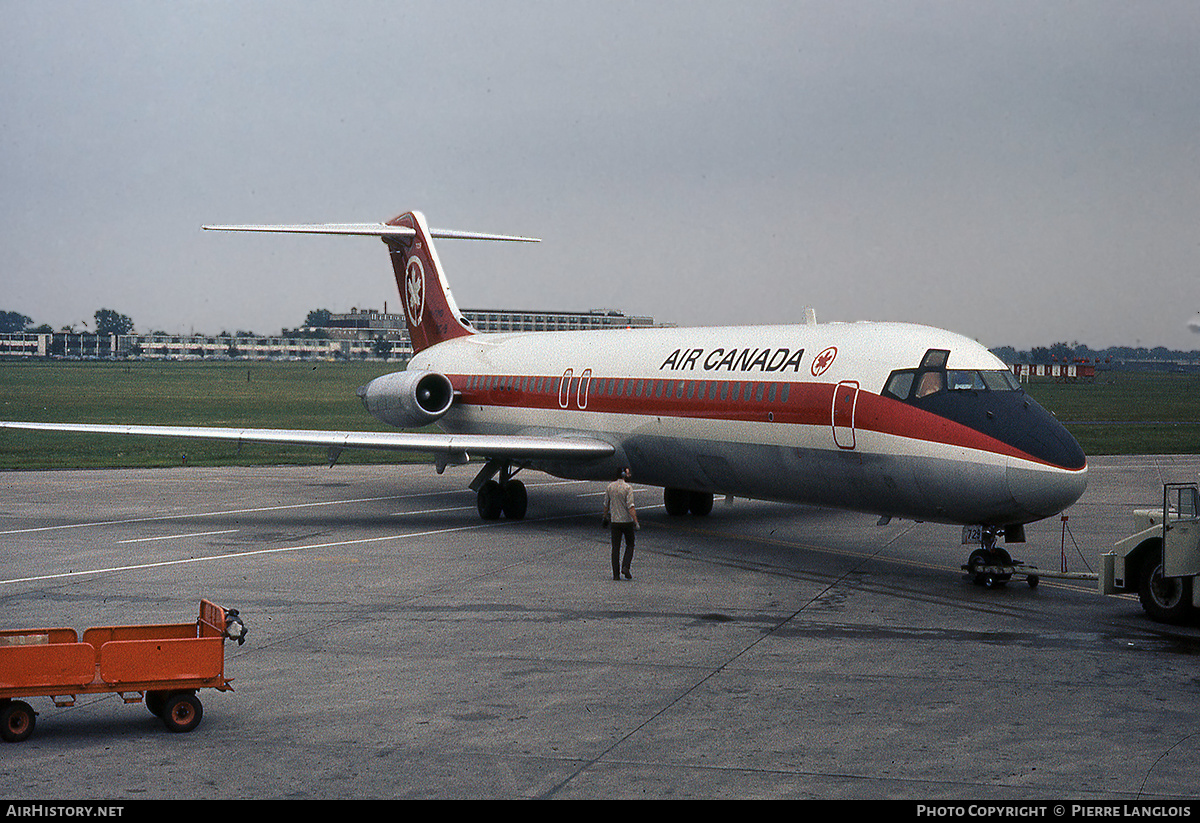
<point>631,387</point>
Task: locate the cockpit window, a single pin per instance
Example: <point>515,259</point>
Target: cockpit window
<point>964,380</point>
<point>935,359</point>
<point>914,384</point>
<point>1000,380</point>
<point>991,380</point>
<point>930,383</point>
<point>900,384</point>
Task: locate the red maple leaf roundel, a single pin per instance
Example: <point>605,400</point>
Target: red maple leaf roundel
<point>823,361</point>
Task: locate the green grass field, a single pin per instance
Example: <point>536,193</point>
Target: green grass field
<point>1120,413</point>
<point>1128,412</point>
<point>294,395</point>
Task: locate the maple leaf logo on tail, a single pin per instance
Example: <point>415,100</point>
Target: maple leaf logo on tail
<point>414,290</point>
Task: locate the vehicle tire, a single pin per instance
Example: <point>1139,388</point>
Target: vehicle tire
<point>182,712</point>
<point>676,501</point>
<point>17,720</point>
<point>514,500</point>
<point>155,702</point>
<point>490,500</point>
<point>1165,599</point>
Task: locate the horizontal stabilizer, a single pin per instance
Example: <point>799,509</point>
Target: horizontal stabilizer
<point>430,312</point>
<point>383,230</point>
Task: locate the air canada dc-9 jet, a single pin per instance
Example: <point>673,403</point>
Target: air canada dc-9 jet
<point>896,420</point>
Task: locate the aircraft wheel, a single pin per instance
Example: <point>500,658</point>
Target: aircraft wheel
<point>17,720</point>
<point>514,500</point>
<point>980,559</point>
<point>182,712</point>
<point>1165,599</point>
<point>975,564</point>
<point>700,503</point>
<point>677,501</point>
<point>490,500</point>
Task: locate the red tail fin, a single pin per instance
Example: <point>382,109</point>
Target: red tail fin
<point>429,307</point>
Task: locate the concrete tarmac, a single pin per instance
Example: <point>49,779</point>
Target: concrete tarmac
<point>399,647</point>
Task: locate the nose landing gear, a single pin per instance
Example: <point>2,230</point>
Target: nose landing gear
<point>991,566</point>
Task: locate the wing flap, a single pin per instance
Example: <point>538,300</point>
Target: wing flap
<point>503,446</point>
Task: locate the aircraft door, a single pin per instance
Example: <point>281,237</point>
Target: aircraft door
<point>845,398</point>
<point>564,389</point>
<point>585,383</point>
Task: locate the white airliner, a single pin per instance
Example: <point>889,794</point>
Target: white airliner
<point>893,419</point>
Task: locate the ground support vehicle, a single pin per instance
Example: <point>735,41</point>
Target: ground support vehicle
<point>1162,559</point>
<point>163,663</point>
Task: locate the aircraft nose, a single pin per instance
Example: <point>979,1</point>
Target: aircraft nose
<point>1043,491</point>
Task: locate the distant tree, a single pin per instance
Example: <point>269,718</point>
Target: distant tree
<point>318,318</point>
<point>111,322</point>
<point>305,334</point>
<point>1062,352</point>
<point>382,347</point>
<point>12,322</point>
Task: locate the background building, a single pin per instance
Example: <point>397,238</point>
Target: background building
<point>361,334</point>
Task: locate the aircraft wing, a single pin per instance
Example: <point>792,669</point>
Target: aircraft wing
<point>457,447</point>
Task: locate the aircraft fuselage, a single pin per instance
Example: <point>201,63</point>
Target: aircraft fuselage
<point>894,419</point>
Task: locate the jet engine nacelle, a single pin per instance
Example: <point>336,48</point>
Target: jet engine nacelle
<point>408,399</point>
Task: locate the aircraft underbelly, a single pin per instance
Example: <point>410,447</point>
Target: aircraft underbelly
<point>789,463</point>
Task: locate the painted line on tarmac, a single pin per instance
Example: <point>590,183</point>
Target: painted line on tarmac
<point>435,511</point>
<point>175,536</point>
<point>285,549</point>
<point>186,515</point>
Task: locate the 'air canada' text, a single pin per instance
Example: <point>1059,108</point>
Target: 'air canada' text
<point>734,360</point>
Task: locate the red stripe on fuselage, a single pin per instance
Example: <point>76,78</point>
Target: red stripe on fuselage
<point>807,404</point>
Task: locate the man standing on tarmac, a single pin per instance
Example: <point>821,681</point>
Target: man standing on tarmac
<point>621,516</point>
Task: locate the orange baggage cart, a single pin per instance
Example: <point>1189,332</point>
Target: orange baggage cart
<point>164,664</point>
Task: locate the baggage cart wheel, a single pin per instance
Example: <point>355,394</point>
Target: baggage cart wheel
<point>182,712</point>
<point>17,720</point>
<point>155,702</point>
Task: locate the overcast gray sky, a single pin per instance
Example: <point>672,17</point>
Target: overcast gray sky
<point>1021,172</point>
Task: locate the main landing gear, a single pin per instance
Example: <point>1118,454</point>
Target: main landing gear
<point>991,566</point>
<point>681,501</point>
<point>497,492</point>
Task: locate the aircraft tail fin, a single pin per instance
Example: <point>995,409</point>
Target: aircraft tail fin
<point>429,308</point>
